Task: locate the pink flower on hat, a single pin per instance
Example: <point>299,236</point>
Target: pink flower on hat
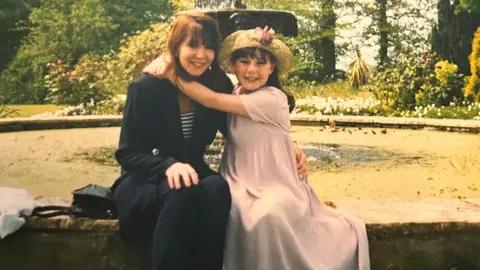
<point>265,35</point>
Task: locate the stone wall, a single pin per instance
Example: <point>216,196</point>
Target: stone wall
<point>403,235</point>
<point>472,126</point>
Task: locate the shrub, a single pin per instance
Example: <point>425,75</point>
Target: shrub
<point>472,88</point>
<point>100,79</point>
<point>417,79</point>
<point>442,87</point>
<point>359,71</point>
<point>79,86</point>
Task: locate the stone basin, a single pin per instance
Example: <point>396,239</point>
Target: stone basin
<point>412,235</point>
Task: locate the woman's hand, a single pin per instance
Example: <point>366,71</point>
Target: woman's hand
<point>181,171</point>
<point>302,164</point>
<point>160,67</point>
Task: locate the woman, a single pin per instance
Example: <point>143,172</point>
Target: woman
<point>166,191</point>
<point>276,220</point>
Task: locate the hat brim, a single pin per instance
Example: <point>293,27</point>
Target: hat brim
<point>245,39</point>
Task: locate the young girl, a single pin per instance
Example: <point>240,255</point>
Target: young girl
<point>276,220</point>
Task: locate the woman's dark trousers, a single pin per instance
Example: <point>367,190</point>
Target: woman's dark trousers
<point>187,226</point>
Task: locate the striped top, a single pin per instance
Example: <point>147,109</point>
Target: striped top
<point>187,119</point>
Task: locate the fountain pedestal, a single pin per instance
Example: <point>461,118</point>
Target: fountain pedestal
<point>232,19</point>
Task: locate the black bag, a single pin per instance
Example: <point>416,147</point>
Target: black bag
<point>91,201</point>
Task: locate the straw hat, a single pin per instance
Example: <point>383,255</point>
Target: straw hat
<point>257,38</point>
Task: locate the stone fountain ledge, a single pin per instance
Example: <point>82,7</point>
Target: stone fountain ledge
<point>403,234</point>
<point>471,126</point>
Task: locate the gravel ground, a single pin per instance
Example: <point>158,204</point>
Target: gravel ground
<point>345,163</point>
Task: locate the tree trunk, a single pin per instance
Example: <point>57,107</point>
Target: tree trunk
<point>328,43</point>
<point>453,34</point>
<point>383,29</point>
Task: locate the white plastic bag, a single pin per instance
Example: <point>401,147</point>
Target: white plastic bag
<point>14,203</point>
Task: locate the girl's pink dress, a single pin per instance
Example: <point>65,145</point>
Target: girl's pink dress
<point>276,220</point>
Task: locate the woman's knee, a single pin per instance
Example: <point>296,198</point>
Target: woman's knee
<point>185,195</point>
<point>215,187</point>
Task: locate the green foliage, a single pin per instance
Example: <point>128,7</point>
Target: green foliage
<point>472,89</point>
<point>96,81</point>
<point>22,81</point>
<point>79,86</point>
<point>468,5</point>
<point>333,89</point>
<point>453,33</point>
<point>416,80</point>
<point>67,30</point>
<point>441,87</point>
<point>13,16</point>
<point>179,5</point>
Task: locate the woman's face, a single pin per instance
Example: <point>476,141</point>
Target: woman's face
<point>194,57</point>
<point>253,72</point>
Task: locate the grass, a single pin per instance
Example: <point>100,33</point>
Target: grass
<point>334,90</point>
<point>29,110</point>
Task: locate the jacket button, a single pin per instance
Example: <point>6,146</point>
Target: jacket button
<point>155,151</point>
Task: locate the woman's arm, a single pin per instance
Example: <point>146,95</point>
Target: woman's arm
<point>227,88</point>
<point>232,104</point>
<point>211,99</point>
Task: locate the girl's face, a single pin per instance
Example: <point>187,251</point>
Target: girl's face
<point>194,57</point>
<point>253,72</point>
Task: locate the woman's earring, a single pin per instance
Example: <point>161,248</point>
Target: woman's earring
<point>209,67</point>
<point>176,54</point>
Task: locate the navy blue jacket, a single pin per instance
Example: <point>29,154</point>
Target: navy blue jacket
<point>151,138</point>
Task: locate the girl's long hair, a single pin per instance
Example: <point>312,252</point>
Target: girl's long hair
<point>274,78</point>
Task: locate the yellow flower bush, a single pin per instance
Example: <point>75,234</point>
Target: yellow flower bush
<point>472,88</point>
<point>445,70</point>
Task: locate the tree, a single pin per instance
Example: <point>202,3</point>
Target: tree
<point>315,48</point>
<point>468,5</point>
<point>383,27</point>
<point>472,89</point>
<point>68,29</point>
<point>396,26</point>
<point>453,32</point>
<point>13,16</point>
<point>327,50</point>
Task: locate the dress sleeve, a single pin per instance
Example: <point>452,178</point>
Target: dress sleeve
<point>265,105</point>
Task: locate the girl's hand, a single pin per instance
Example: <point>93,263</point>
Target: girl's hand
<point>179,172</point>
<point>160,67</point>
